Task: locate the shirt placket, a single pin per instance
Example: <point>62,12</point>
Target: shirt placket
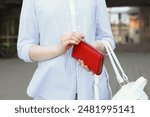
<point>74,13</point>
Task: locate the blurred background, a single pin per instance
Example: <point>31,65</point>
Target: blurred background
<point>130,22</point>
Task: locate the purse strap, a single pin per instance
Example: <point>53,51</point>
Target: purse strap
<point>96,87</point>
<point>122,78</point>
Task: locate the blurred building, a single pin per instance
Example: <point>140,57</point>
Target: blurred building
<point>9,21</point>
<point>130,24</point>
<point>145,24</point>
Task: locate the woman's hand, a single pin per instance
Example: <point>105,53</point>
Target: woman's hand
<point>70,39</point>
<point>81,63</point>
<point>97,45</point>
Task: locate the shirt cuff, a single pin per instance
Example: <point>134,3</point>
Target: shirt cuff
<point>24,53</point>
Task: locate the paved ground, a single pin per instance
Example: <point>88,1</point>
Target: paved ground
<point>15,74</point>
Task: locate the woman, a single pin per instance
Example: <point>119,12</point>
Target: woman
<point>48,30</point>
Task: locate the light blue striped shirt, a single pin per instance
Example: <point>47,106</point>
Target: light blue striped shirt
<point>42,22</point>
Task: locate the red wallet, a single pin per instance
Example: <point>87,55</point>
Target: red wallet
<point>91,57</point>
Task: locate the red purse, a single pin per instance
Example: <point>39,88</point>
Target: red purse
<point>91,57</point>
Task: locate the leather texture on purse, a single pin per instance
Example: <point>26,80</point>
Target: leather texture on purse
<point>91,57</point>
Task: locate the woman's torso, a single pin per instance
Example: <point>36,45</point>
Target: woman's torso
<point>62,75</point>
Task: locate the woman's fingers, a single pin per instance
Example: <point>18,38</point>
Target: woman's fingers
<point>79,36</point>
<point>75,39</point>
<point>72,38</point>
<point>74,42</point>
<point>81,63</point>
<point>86,67</point>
